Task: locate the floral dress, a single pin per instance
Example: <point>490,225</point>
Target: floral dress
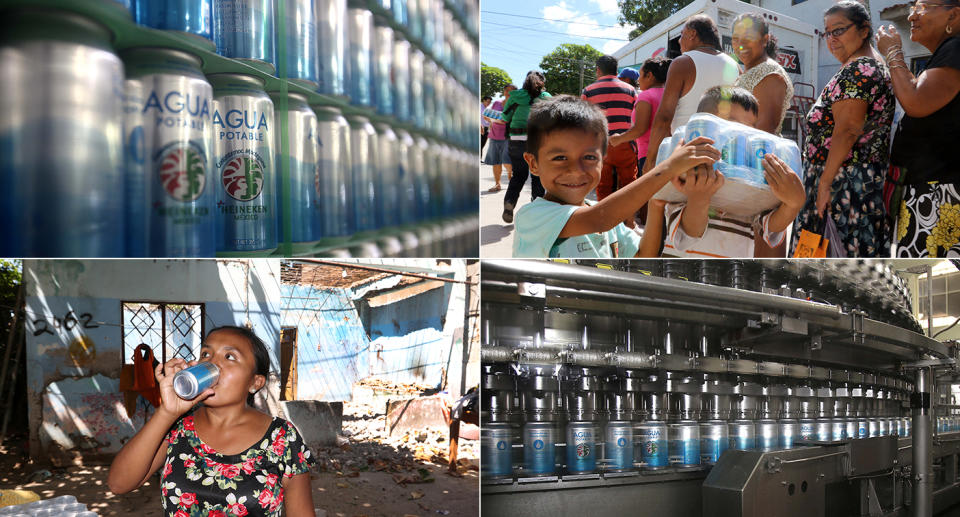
<point>856,195</point>
<point>199,481</point>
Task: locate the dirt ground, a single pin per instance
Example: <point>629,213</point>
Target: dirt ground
<point>367,474</point>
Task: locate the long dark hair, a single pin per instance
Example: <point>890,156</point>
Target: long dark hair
<point>260,353</point>
<point>763,28</point>
<point>534,83</point>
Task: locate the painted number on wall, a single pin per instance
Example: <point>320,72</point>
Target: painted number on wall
<point>68,323</point>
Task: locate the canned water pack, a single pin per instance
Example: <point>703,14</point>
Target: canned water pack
<point>243,124</point>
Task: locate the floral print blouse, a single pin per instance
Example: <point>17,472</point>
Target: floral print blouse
<point>199,481</point>
<point>866,79</point>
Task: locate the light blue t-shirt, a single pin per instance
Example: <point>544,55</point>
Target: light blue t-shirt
<point>539,224</point>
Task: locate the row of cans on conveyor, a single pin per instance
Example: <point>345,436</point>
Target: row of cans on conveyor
<point>621,446</point>
<point>344,49</point>
<point>146,156</point>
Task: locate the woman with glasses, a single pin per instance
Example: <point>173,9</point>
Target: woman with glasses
<point>928,217</point>
<point>848,132</point>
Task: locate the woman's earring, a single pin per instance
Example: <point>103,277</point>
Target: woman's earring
<point>949,29</point>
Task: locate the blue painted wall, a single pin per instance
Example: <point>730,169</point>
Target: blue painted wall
<point>334,346</point>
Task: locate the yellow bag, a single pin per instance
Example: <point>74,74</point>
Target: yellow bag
<point>12,497</point>
<point>811,245</point>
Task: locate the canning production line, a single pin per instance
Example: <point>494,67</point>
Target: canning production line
<point>729,388</point>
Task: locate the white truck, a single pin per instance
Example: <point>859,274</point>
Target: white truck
<point>797,52</point>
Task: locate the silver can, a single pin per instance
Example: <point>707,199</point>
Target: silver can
<point>851,428</point>
<point>838,429</point>
<point>178,136</point>
<point>768,435</point>
<point>243,126</point>
<point>407,190</point>
<point>824,432</point>
<point>808,431</point>
<point>684,444</point>
<point>789,433</point>
<point>359,79</point>
<point>422,179</point>
<point>135,169</point>
<point>331,45</point>
<point>430,75</point>
<point>618,448</point>
<point>61,124</point>
<point>382,69</point>
<point>714,439</point>
<point>873,426</point>
<point>333,173</point>
<point>302,160</point>
<point>361,190</point>
<point>417,109</point>
<point>401,79</point>
<point>387,176</point>
<point>743,435</point>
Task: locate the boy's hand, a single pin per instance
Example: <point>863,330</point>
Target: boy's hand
<point>784,184</point>
<point>686,156</point>
<point>700,185</point>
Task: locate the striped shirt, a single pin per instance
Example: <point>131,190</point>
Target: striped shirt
<point>616,98</point>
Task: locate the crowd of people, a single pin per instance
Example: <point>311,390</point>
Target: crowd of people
<point>876,189</point>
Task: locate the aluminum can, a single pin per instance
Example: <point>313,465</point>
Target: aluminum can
<point>808,429</point>
<point>61,124</point>
<point>863,427</point>
<point>178,136</point>
<point>244,30</point>
<point>714,439</point>
<point>684,447</point>
<point>619,446</point>
<point>406,191</point>
<point>417,113</point>
<point>387,182</point>
<point>333,174</point>
<point>893,424</point>
<point>382,69</point>
<point>882,428</point>
<point>297,59</point>
<point>768,435</point>
<point>581,448</point>
<point>789,433</point>
<point>735,153</point>
<point>135,169</point>
<point>838,429</point>
<point>496,449</point>
<point>302,161</point>
<point>760,146</point>
<point>430,72</point>
<point>331,45</point>
<point>873,427</point>
<point>824,432</point>
<point>851,428</point>
<point>361,190</point>
<point>421,180</point>
<point>359,78</point>
<point>191,17</point>
<point>743,435</point>
<point>652,440</point>
<point>399,10</point>
<point>906,423</point>
<point>415,14</point>
<point>190,382</point>
<point>702,126</point>
<point>539,442</point>
<point>401,79</point>
<point>434,161</point>
<point>244,161</point>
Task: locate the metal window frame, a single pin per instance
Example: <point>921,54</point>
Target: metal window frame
<point>163,324</point>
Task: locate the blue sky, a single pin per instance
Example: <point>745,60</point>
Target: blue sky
<point>518,50</point>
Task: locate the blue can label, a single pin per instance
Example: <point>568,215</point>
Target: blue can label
<point>581,450</point>
<point>620,448</point>
<point>685,452</point>
<point>496,452</point>
<point>806,430</point>
<point>653,446</point>
<point>538,451</point>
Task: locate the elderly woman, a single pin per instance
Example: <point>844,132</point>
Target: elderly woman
<point>929,215</point>
<point>848,132</point>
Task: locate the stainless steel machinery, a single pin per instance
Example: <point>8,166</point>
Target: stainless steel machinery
<point>685,387</point>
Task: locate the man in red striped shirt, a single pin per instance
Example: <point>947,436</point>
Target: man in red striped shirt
<point>616,98</point>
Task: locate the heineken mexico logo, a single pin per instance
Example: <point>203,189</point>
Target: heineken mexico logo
<point>242,178</point>
<point>583,450</point>
<point>181,170</point>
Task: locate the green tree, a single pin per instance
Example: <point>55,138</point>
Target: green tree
<point>647,13</point>
<point>492,80</point>
<point>563,66</point>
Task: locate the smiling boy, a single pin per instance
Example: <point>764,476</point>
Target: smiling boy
<point>566,143</point>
